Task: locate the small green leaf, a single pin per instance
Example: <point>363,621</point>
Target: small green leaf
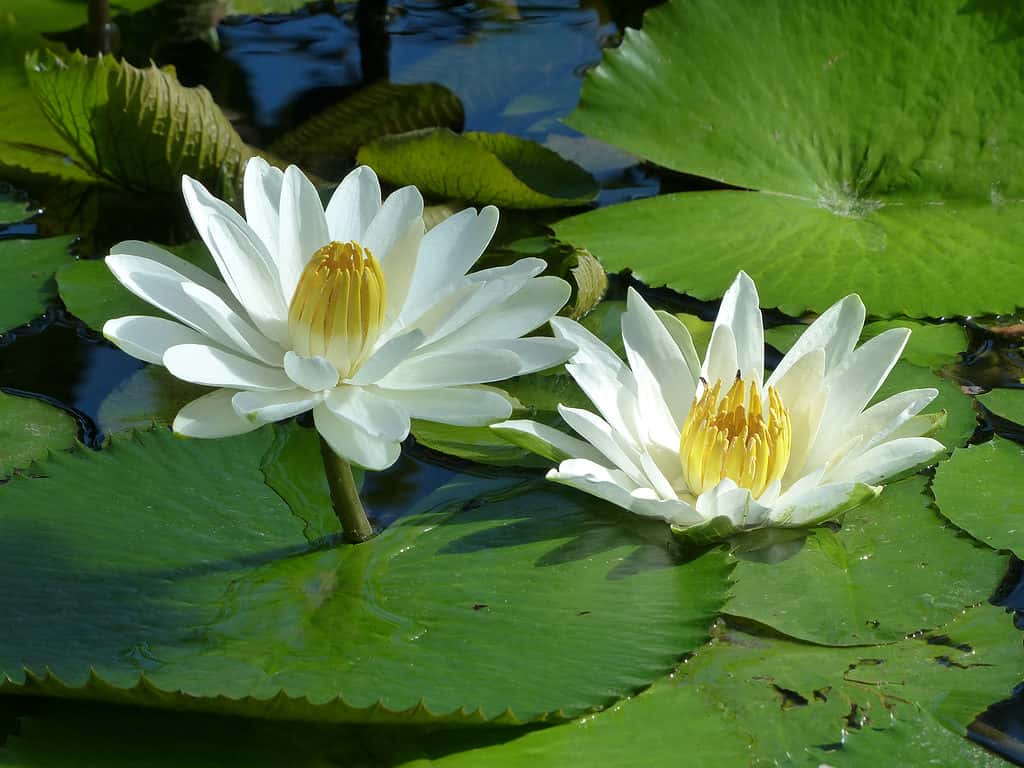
<point>893,569</point>
<point>377,110</point>
<point>150,396</point>
<point>931,345</point>
<point>482,168</point>
<point>172,559</point>
<point>139,128</point>
<point>26,277</point>
<point>92,293</point>
<point>12,207</point>
<point>480,444</point>
<point>29,430</point>
<point>981,489</point>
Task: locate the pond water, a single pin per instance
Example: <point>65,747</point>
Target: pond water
<point>517,68</point>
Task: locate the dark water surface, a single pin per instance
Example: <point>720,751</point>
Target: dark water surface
<point>517,67</point>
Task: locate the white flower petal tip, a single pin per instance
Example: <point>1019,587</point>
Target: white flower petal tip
<point>715,449</point>
<point>351,311</point>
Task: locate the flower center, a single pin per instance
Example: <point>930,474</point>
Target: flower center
<point>338,307</point>
<point>735,437</point>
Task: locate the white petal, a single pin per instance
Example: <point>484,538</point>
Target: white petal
<point>803,392</point>
<point>740,310</point>
<point>201,205</point>
<point>599,434</point>
<point>674,511</point>
<point>262,196</point>
<point>446,253</point>
<point>591,350</point>
<point>162,287</point>
<point>212,416</point>
<point>313,373</point>
<point>734,503</point>
<point>147,338</point>
<point>353,205</point>
<point>820,503</point>
<point>720,363</point>
<point>531,266</point>
<point>684,341</point>
<point>354,444</point>
<point>547,441</point>
<point>852,384</point>
<point>183,269</point>
<point>836,332</point>
<point>401,209</point>
<point>665,388</point>
<point>888,460</point>
<point>462,406</point>
<point>244,336</point>
<point>378,416</point>
<point>882,419</point>
<point>527,309</point>
<point>536,353</point>
<point>590,477</point>
<point>250,274</point>
<point>466,365</point>
<point>397,266</point>
<point>387,357</point>
<point>216,368</point>
<point>265,407</point>
<point>303,229</point>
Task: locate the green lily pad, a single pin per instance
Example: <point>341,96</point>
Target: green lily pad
<point>139,128</point>
<point>482,168</point>
<point>869,169</point>
<point>59,15</point>
<point>931,345</point>
<point>165,571</point>
<point>981,489</point>
<point>377,110</point>
<point>961,419</point>
<point>29,144</point>
<point>1005,403</point>
<point>894,568</point>
<point>27,268</point>
<point>29,430</point>
<point>92,293</point>
<point>756,700</point>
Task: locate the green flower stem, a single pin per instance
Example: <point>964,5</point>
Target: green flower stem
<point>345,496</point>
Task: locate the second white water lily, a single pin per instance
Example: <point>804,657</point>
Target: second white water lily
<point>713,447</point>
<point>354,313</point>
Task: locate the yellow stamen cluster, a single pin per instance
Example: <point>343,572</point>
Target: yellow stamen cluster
<point>338,307</point>
<point>735,436</point>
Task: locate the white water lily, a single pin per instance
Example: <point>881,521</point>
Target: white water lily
<point>354,313</point>
<point>714,448</point>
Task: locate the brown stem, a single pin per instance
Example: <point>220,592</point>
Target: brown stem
<point>345,496</point>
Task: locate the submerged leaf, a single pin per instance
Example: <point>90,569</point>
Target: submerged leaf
<point>874,171</point>
<point>139,128</point>
<point>377,110</point>
<point>173,559</point>
<point>483,168</point>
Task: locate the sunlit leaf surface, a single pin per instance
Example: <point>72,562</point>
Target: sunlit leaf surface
<point>29,430</point>
<point>26,277</point>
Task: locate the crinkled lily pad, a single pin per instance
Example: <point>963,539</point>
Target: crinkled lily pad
<point>165,571</point>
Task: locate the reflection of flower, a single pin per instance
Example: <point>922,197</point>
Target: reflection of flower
<point>354,313</point>
<point>714,445</point>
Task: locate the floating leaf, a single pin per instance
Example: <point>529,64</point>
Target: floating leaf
<point>981,489</point>
<point>29,430</point>
<point>931,345</point>
<point>754,700</point>
<point>29,144</point>
<point>377,110</point>
<point>172,559</point>
<point>92,293</point>
<point>482,168</point>
<point>1006,403</point>
<point>59,15</point>
<point>139,128</point>
<point>480,444</point>
<point>12,207</point>
<point>874,171</point>
<point>894,568</point>
<point>26,277</point>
